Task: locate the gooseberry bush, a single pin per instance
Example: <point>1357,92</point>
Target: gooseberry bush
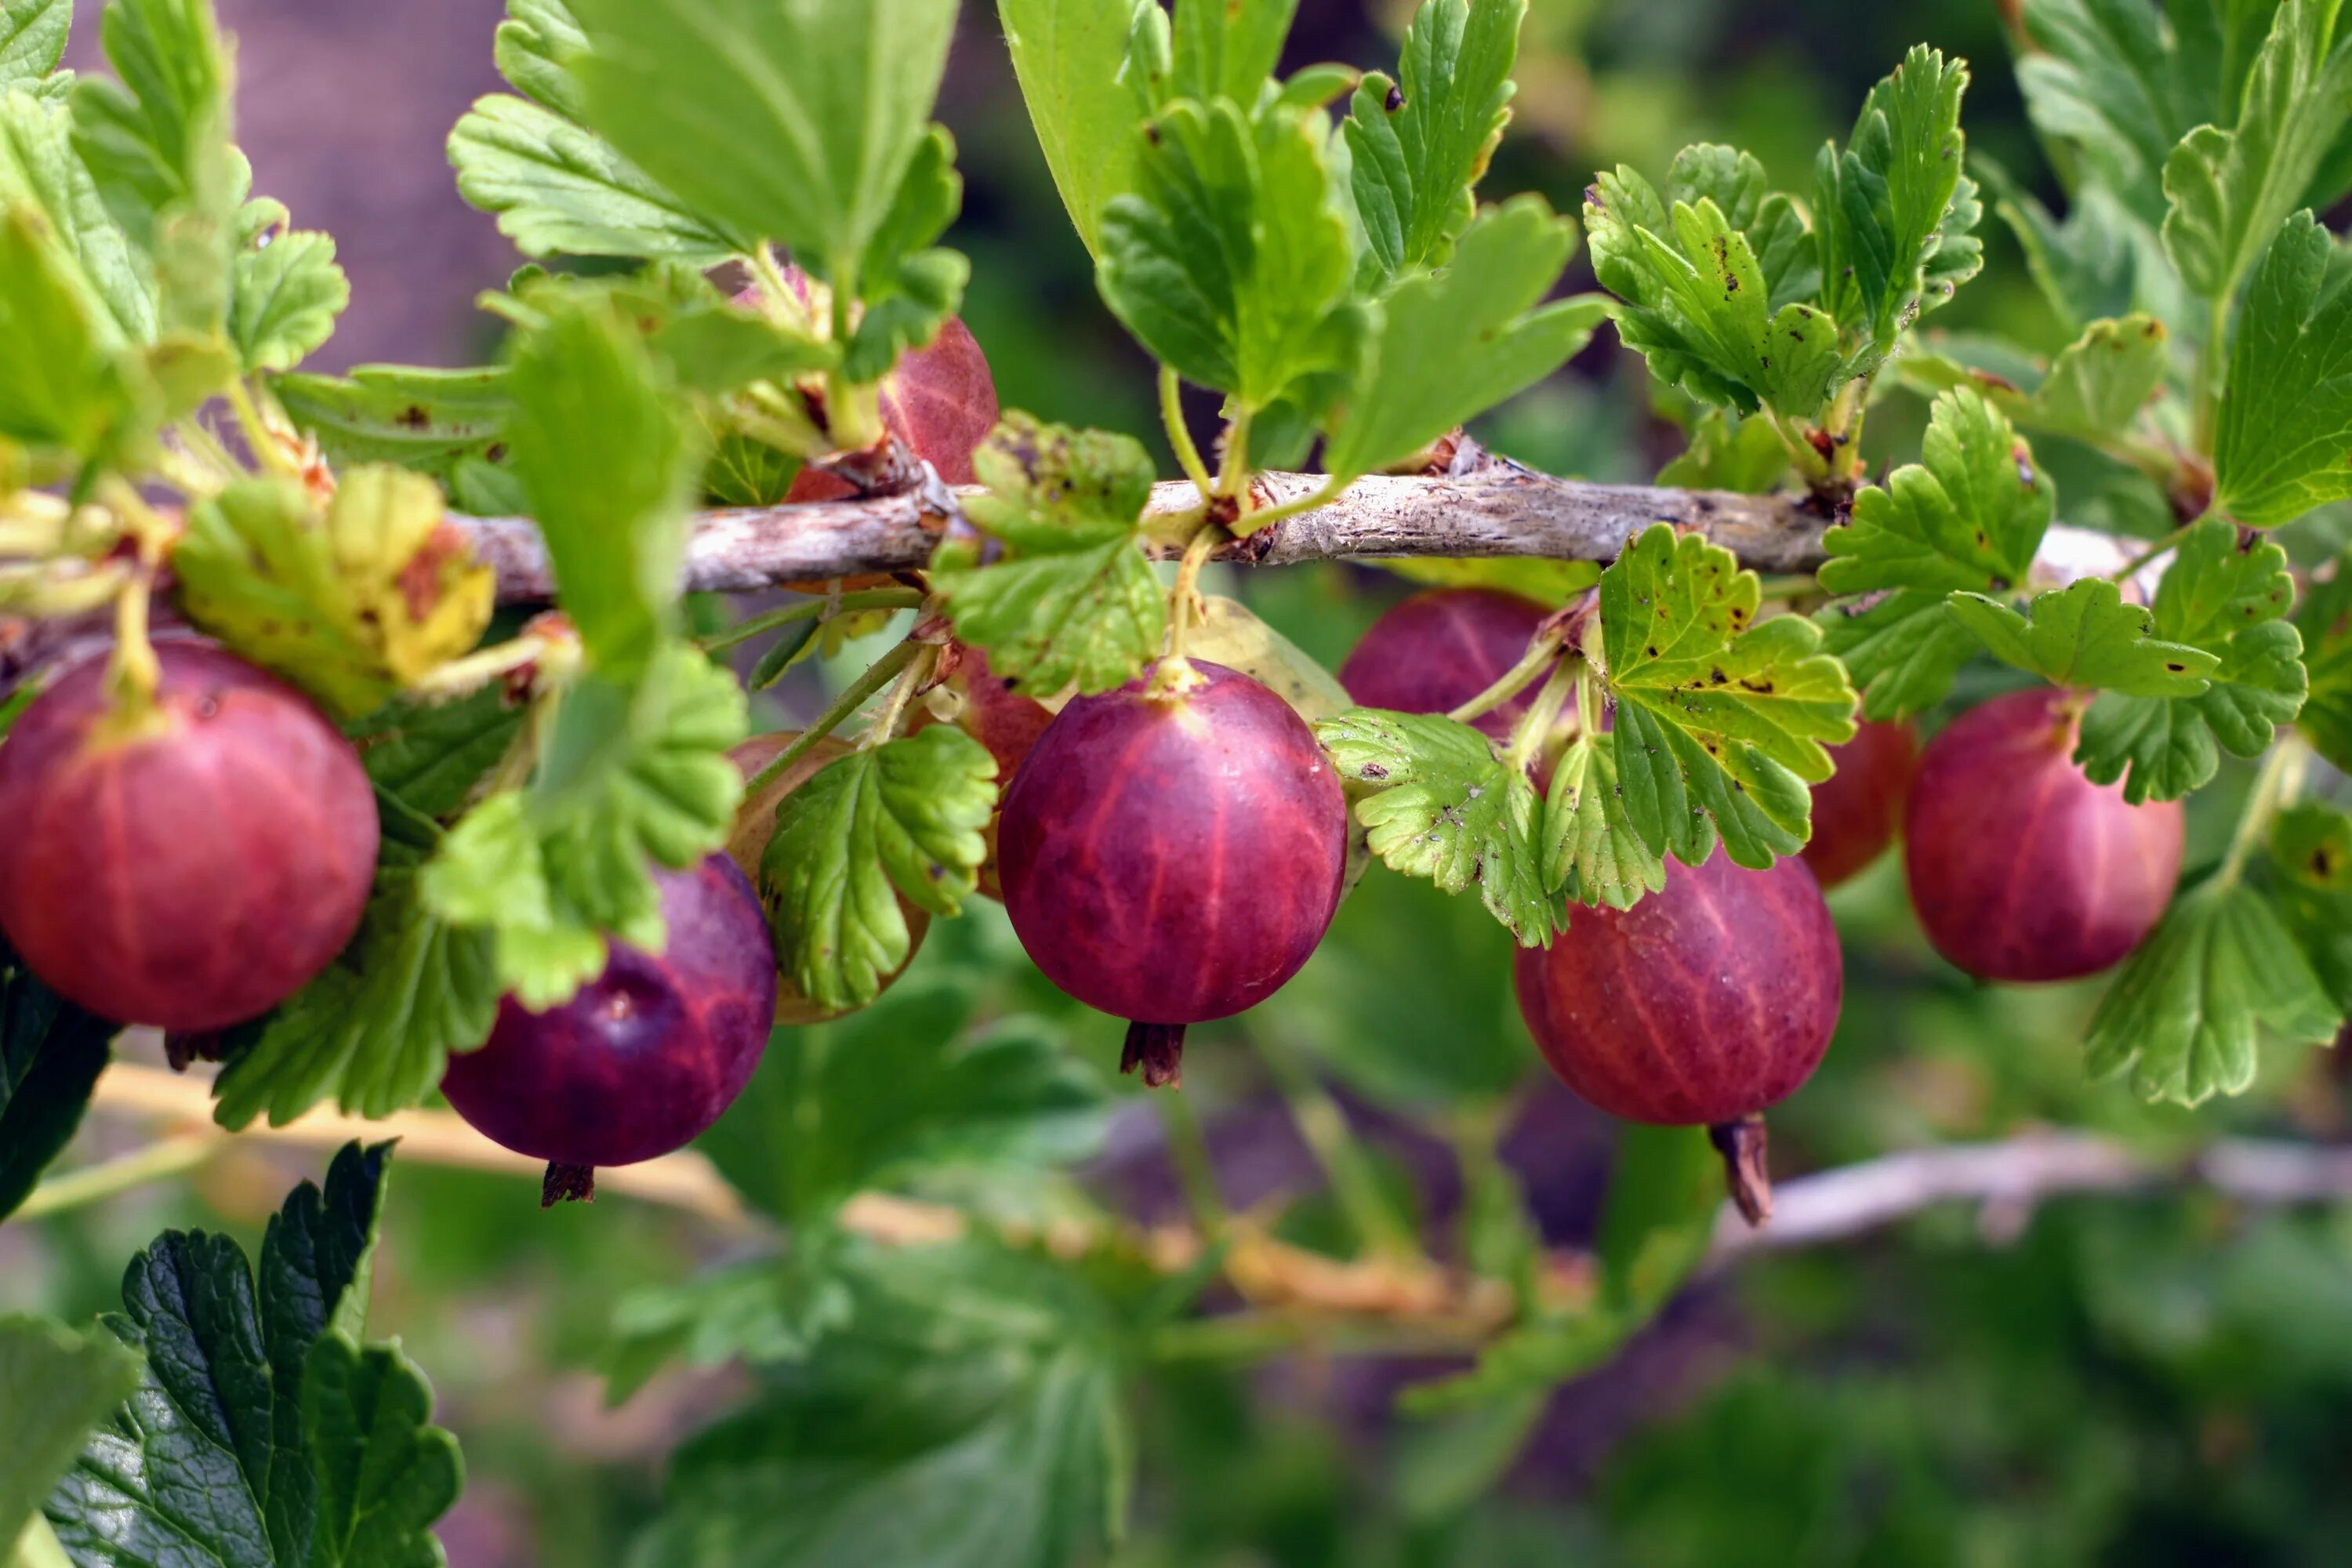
<point>392,734</point>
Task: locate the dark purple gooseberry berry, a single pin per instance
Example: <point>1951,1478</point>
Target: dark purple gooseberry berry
<point>1437,650</point>
<point>2021,867</point>
<point>1858,809</point>
<point>1170,861</point>
<point>646,1054</point>
<point>191,871</point>
<point>1703,1005</point>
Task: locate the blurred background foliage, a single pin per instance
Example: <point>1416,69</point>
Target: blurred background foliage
<point>2158,1381</point>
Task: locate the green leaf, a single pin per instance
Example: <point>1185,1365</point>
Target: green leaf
<point>915,1084</point>
<point>1226,48</point>
<point>1893,210</point>
<point>910,287</point>
<point>51,1053</point>
<point>284,298</point>
<point>40,168</point>
<point>1721,723</point>
<point>2230,602</point>
<point>384,1473</point>
<point>2110,77</point>
<point>1665,1188</point>
<point>2101,262</point>
<point>602,453</point>
<point>432,755</point>
<point>2086,637</point>
<point>1439,803</point>
<point>58,387</point>
<point>760,1312</point>
<point>627,778</point>
<point>1590,847</point>
<point>1076,602</point>
<point>902,819</point>
<point>1452,345</point>
<point>239,1408</point>
<point>1902,651</point>
<point>1776,231</point>
<point>2325,623</point>
<point>32,42</point>
<point>1066,55</point>
<point>450,423</point>
<point>56,1385</point>
<point>353,601</point>
<point>560,189</point>
<point>827,102</point>
<point>2098,383</point>
<point>1729,453</point>
<point>1231,262</point>
<point>2230,189</point>
<point>2285,423</point>
<point>1698,305</point>
<point>2184,1014</point>
<point>534,48</point>
<point>969,1415</point>
<point>1420,142</point>
<point>2312,846</point>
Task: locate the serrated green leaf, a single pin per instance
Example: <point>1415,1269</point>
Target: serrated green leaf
<point>534,47</point>
<point>33,36</point>
<point>910,287</point>
<point>39,167</point>
<point>432,755</point>
<point>900,820</point>
<point>2184,1014</point>
<point>1698,305</point>
<point>1453,345</point>
<point>1226,48</point>
<point>58,387</point>
<point>2285,423</point>
<point>915,1084</point>
<point>1729,453</point>
<point>284,298</point>
<point>2231,188</point>
<point>1970,514</point>
<point>2098,383</point>
<point>2086,637</point>
<point>760,1312</point>
<point>56,1385</point>
<point>2312,846</point>
<point>557,188</point>
<point>225,1412</point>
<point>1078,601</point>
<point>2324,620</point>
<point>1590,848</point>
<point>384,1473</point>
<point>353,601</point>
<point>1066,55</point>
<point>602,453</point>
<point>1893,211</point>
<point>1230,261</point>
<point>51,1053</point>
<point>714,347</point>
<point>1420,142</point>
<point>1441,805</point>
<point>2101,262</point>
<point>1902,651</point>
<point>2110,77</point>
<point>2230,602</point>
<point>628,778</point>
<point>438,422</point>
<point>1721,723</point>
<point>828,102</point>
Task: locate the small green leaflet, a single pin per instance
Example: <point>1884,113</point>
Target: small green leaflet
<point>40,168</point>
<point>2230,602</point>
<point>1066,54</point>
<point>902,819</point>
<point>825,105</point>
<point>285,292</point>
<point>1452,345</point>
<point>1223,49</point>
<point>2113,80</point>
<point>1076,602</point>
<point>1697,304</point>
<point>1420,142</point>
<point>308,1451</point>
<point>1231,262</point>
<point>353,601</point>
<point>2099,383</point>
<point>1590,848</point>
<point>1441,805</point>
<point>1729,453</point>
<point>627,778</point>
<point>604,456</point>
<point>1901,649</point>
<point>56,1385</point>
<point>2326,621</point>
<point>910,286</point>
<point>450,423</point>
<point>2310,844</point>
<point>2287,415</point>
<point>58,387</point>
<point>1721,723</point>
<point>2183,1016</point>
<point>32,41</point>
<point>2086,637</point>
<point>918,1082</point>
<point>2230,189</point>
<point>1776,230</point>
<point>51,1053</point>
<point>534,47</point>
<point>1894,211</point>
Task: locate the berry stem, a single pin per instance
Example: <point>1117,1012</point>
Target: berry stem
<point>1535,726</point>
<point>260,439</point>
<point>1179,435</point>
<point>1744,1145</point>
<point>824,608</point>
<point>1234,470</point>
<point>852,697</point>
<point>1176,676</point>
<point>1540,658</point>
<point>893,708</point>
